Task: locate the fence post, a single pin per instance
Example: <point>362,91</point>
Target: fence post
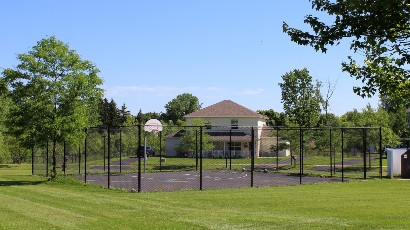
<point>160,151</point>
<point>364,153</point>
<point>230,148</point>
<point>303,153</point>
<point>226,155</point>
<point>252,154</point>
<point>380,153</point>
<point>120,150</point>
<point>300,154</point>
<point>79,159</point>
<point>47,160</point>
<point>200,158</point>
<point>334,158</point>
<point>139,157</point>
<point>196,150</point>
<point>32,160</point>
<point>109,154</point>
<point>343,151</point>
<point>85,157</point>
<point>277,149</point>
<point>64,157</point>
<point>104,151</point>
<point>330,152</point>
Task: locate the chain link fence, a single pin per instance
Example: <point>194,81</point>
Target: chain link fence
<point>68,159</point>
<point>208,157</point>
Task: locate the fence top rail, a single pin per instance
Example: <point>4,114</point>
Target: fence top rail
<point>239,127</point>
<point>316,128</point>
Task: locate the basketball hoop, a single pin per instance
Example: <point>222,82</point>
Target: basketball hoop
<point>153,126</point>
<point>154,131</point>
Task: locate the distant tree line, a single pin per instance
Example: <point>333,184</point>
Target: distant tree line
<point>54,96</point>
<point>110,115</point>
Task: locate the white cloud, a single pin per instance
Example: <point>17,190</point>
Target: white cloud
<point>252,91</point>
<point>144,88</point>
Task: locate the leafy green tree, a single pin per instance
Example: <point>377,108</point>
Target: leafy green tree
<point>372,118</point>
<point>398,116</point>
<point>274,118</point>
<point>399,122</point>
<point>109,113</point>
<point>4,143</point>
<point>152,115</point>
<point>53,94</point>
<point>351,118</point>
<point>329,120</point>
<point>180,106</point>
<point>191,135</point>
<point>301,98</point>
<point>103,112</point>
<point>111,116</point>
<point>377,29</point>
<point>320,139</point>
<point>114,118</point>
<point>140,118</point>
<point>125,115</point>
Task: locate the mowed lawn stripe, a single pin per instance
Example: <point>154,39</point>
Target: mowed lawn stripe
<point>43,213</point>
<point>68,204</point>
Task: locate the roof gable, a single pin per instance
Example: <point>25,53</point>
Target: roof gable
<point>226,108</point>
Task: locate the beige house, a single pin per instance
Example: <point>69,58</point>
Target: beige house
<point>231,123</point>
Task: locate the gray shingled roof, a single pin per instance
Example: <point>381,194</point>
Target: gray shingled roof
<point>226,108</point>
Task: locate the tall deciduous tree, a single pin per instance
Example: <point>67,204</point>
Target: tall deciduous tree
<point>378,29</point>
<point>53,93</point>
<point>330,89</point>
<point>190,138</point>
<point>180,106</point>
<point>370,117</point>
<point>301,98</point>
<point>4,143</point>
<point>274,118</point>
<point>399,122</point>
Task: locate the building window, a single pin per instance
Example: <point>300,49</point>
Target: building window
<point>234,124</point>
<point>235,145</point>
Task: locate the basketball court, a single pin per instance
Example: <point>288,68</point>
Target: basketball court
<point>190,180</point>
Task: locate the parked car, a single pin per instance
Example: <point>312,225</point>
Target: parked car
<point>150,151</point>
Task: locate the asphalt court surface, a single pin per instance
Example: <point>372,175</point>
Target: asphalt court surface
<point>188,180</point>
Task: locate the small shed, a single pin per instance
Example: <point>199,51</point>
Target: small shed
<point>394,161</point>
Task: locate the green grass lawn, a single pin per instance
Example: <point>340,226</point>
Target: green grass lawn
<point>31,202</point>
<point>10,169</point>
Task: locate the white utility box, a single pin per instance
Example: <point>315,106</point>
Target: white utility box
<point>394,161</point>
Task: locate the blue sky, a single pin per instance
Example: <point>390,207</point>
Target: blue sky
<point>150,51</point>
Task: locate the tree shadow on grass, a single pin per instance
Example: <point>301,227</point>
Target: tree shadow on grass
<point>4,166</point>
<point>19,183</point>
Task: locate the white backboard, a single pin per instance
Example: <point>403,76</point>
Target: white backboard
<point>153,125</point>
